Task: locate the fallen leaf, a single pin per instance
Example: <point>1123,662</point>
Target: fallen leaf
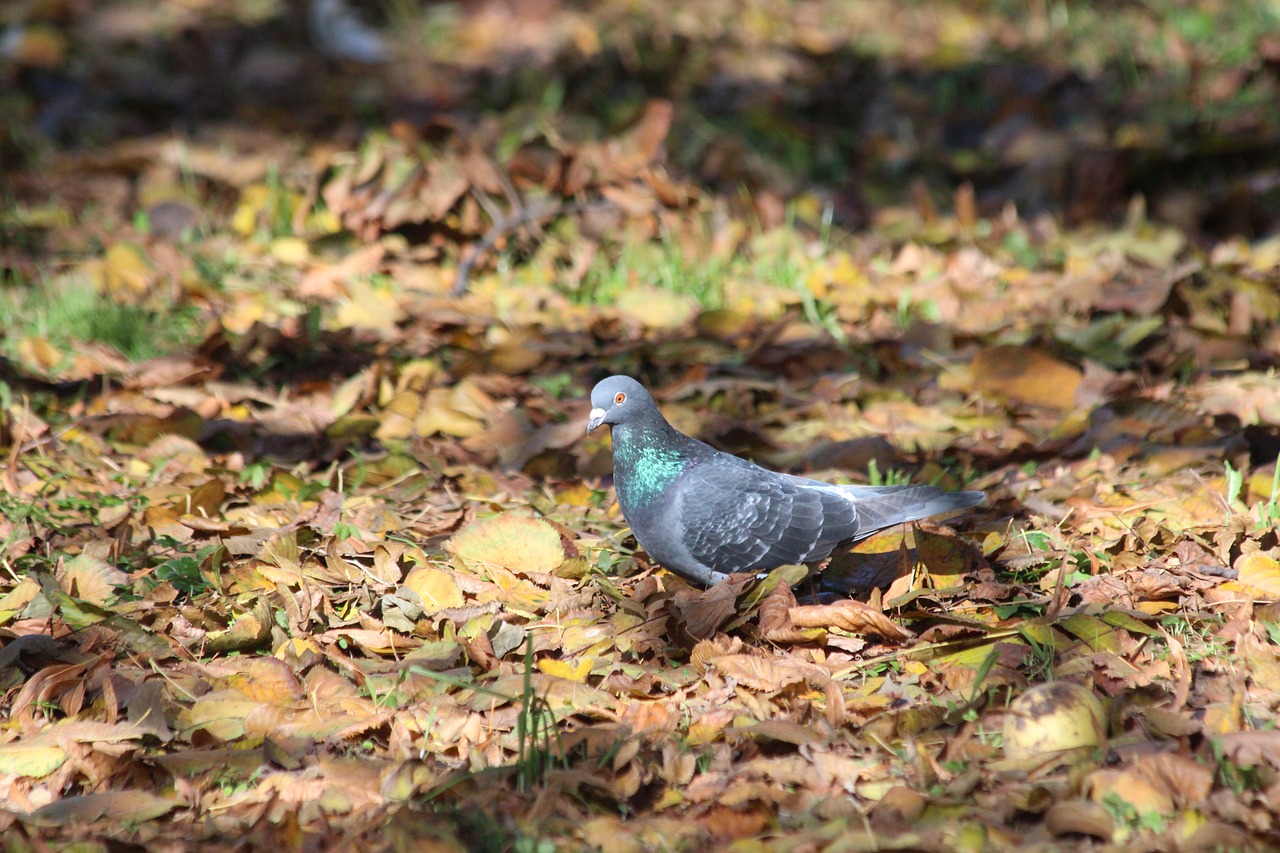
<point>511,540</point>
<point>135,806</point>
<point>1261,571</point>
<point>435,588</point>
<point>1026,375</point>
<point>33,760</point>
<point>849,615</point>
<point>574,670</point>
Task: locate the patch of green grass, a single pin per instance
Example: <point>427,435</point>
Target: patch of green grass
<point>54,510</point>
<point>1198,636</point>
<point>537,733</point>
<point>73,312</point>
<point>662,264</point>
<point>781,258</point>
<point>891,477</point>
<point>1268,511</point>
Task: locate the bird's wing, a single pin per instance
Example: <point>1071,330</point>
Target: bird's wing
<point>739,518</point>
<point>880,507</point>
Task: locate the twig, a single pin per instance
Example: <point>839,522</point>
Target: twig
<point>532,214</point>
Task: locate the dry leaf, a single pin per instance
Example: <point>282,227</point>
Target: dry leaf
<point>1026,375</point>
<point>574,670</point>
<point>435,588</point>
<point>849,615</point>
<point>511,540</point>
<point>94,580</point>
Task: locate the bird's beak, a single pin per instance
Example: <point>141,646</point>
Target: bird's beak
<point>596,418</point>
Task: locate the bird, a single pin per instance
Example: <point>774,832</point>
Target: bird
<point>705,514</point>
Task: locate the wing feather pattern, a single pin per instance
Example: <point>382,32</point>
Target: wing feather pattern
<point>740,519</point>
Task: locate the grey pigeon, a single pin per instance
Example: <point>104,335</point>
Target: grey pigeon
<point>704,514</point>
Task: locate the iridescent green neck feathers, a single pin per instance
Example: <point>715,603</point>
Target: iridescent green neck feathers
<point>643,464</point>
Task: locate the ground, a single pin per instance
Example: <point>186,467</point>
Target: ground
<point>305,545</point>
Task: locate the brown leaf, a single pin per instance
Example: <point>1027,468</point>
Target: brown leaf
<point>480,649</point>
<point>94,580</point>
<point>1026,375</point>
<point>760,673</point>
<point>481,171</point>
<point>775,617</point>
<point>446,182</point>
<point>702,612</point>
<point>170,370</point>
<point>849,615</point>
<point>706,651</point>
<point>642,144</point>
<point>133,806</point>
<point>248,630</point>
<point>1076,817</point>
<point>1251,749</point>
<point>1185,781</point>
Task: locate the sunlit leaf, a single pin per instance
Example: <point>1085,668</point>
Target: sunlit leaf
<point>436,588</point>
<point>574,670</point>
<point>511,540</point>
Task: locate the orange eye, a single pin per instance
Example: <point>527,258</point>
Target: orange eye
<point>619,397</point>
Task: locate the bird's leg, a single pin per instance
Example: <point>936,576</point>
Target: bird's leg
<point>816,569</point>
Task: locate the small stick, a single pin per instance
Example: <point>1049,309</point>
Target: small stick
<point>532,214</point>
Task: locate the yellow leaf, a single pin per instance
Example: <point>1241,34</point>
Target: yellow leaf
<point>575,495</point>
<point>446,411</point>
<point>221,714</point>
<point>34,760</point>
<point>1096,633</point>
<point>38,355</point>
<point>573,670</point>
<point>517,542</point>
<point>460,410</point>
<point>574,568</point>
<point>241,313</point>
<point>656,309</point>
<point>290,250</point>
<point>265,679</point>
<point>298,648</point>
<point>1155,608</point>
<point>21,595</point>
<point>436,588</point>
<point>1027,375</point>
<point>1261,571</point>
<point>1128,787</point>
<point>1266,254</point>
<point>126,272</point>
<point>368,307</point>
<point>398,415</point>
<point>252,201</point>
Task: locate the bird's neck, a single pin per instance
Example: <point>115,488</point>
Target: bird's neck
<point>647,457</point>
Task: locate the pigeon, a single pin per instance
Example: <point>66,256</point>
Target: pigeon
<point>705,514</point>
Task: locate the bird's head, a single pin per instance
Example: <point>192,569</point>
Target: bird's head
<point>617,400</point>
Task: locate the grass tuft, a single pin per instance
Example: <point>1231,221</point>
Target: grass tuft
<point>74,312</point>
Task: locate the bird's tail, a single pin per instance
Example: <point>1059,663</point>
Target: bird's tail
<point>879,507</point>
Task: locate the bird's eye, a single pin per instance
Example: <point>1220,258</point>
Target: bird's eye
<point>619,397</point>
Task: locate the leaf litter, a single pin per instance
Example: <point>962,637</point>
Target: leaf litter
<point>339,568</point>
